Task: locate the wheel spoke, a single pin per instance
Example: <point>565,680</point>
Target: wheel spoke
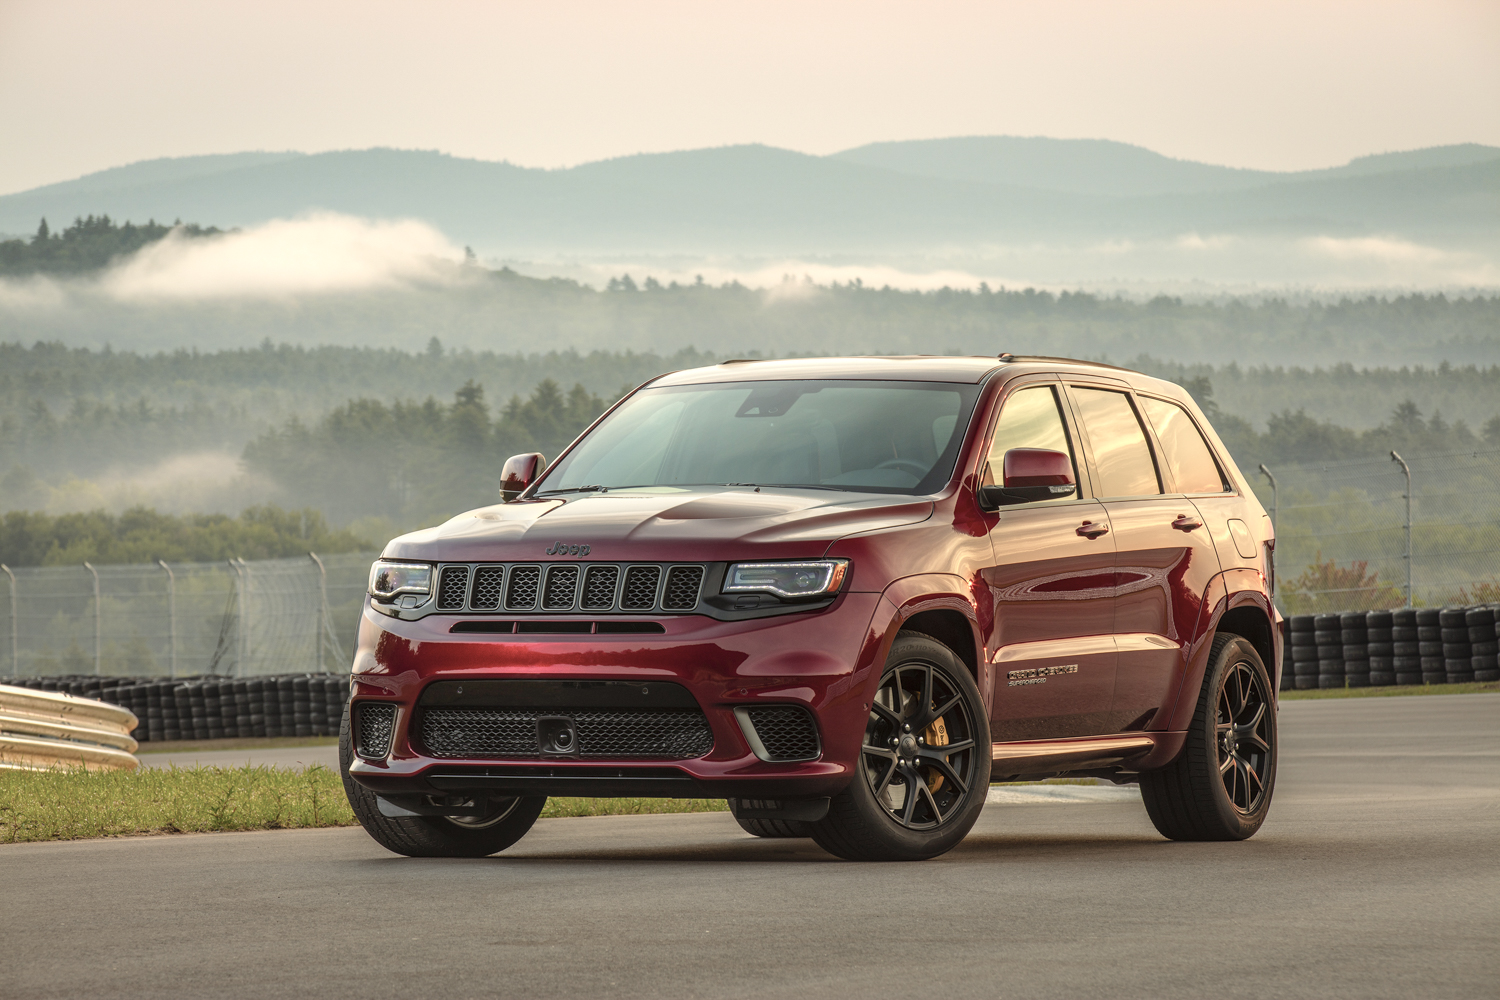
<point>885,752</point>
<point>890,773</point>
<point>947,770</point>
<point>885,713</point>
<point>942,710</point>
<point>913,783</point>
<point>1227,764</point>
<point>937,812</point>
<point>944,751</point>
<point>1255,721</point>
<point>1255,740</point>
<point>925,698</point>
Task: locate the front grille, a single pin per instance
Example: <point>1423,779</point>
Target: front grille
<point>562,583</point>
<point>786,731</point>
<point>478,733</point>
<point>486,593</point>
<point>521,596</point>
<point>562,588</point>
<point>682,588</point>
<point>374,724</point>
<point>451,586</point>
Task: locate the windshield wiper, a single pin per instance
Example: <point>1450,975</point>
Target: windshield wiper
<point>573,489</point>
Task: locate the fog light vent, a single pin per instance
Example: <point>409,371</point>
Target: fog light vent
<point>783,732</point>
<point>375,722</point>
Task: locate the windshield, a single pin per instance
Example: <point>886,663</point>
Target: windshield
<point>888,437</point>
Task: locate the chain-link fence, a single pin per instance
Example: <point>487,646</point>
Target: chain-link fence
<point>1350,537</point>
<point>238,618</point>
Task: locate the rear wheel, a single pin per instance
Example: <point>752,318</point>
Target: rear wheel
<point>1220,787</point>
<point>924,766</point>
<point>503,822</point>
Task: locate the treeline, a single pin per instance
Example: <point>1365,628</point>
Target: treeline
<point>143,536</point>
<point>89,244</point>
<point>415,462</point>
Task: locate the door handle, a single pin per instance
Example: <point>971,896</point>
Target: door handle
<point>1186,522</point>
<point>1088,529</point>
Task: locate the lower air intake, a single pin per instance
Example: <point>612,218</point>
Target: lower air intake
<point>787,732</point>
<point>649,734</point>
<point>374,724</point>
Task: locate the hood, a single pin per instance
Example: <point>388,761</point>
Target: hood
<point>696,525</point>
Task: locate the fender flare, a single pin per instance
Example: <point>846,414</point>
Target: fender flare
<point>1227,591</point>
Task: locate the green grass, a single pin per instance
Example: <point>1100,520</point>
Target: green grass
<point>77,804</point>
<point>1490,687</point>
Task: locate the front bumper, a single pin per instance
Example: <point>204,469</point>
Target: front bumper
<point>825,661</point>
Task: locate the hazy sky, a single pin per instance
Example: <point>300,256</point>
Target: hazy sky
<point>1269,84</point>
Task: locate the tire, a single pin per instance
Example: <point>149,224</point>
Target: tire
<point>1202,795</point>
<point>923,685</point>
<point>436,836</point>
<point>774,828</point>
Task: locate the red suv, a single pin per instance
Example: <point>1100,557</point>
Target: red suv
<point>845,594</point>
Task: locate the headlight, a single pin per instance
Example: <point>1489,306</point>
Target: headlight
<point>787,579</point>
<point>389,579</point>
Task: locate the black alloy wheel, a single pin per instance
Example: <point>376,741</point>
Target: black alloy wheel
<point>1242,725</point>
<point>1220,785</point>
<point>924,762</point>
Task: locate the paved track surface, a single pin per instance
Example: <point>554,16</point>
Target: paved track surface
<point>298,757</point>
<point>1377,875</point>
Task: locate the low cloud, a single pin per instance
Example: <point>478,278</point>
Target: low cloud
<point>287,257</point>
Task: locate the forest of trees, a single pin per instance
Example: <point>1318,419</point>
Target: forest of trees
<point>143,536</point>
<point>87,245</point>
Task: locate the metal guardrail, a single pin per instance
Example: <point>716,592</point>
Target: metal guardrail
<point>45,729</point>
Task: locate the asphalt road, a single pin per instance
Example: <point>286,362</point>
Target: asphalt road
<point>1377,875</point>
<point>298,757</point>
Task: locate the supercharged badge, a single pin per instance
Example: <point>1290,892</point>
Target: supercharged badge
<point>1038,675</point>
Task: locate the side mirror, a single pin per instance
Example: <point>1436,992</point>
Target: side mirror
<point>520,472</point>
<point>1030,474</point>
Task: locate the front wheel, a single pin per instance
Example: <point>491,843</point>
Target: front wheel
<point>924,765</point>
<point>1220,787</point>
<point>504,821</point>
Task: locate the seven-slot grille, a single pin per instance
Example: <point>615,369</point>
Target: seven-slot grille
<point>629,588</point>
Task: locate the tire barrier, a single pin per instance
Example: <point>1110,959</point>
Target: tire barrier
<point>1402,647</point>
<point>46,729</point>
<point>203,708</point>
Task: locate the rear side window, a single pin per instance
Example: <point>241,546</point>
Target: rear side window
<point>1029,419</point>
<point>1122,458</point>
<point>1183,448</point>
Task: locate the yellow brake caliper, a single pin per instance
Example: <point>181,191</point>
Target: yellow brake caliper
<point>936,736</point>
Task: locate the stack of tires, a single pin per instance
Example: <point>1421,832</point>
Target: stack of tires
<point>1405,647</point>
<point>1430,644</point>
<point>1328,633</point>
<point>1458,652</point>
<point>1379,626</point>
<point>1484,640</point>
<point>1356,642</point>
<point>1303,646</point>
<point>203,708</point>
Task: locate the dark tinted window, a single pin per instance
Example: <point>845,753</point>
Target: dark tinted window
<point>1029,419</point>
<point>1183,448</point>
<point>1122,458</point>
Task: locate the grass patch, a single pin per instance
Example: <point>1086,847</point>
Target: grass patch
<point>78,804</point>
<point>1473,687</point>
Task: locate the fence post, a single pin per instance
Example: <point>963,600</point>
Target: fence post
<point>239,593</point>
<point>171,616</point>
<point>1406,469</point>
<point>97,639</point>
<point>322,607</point>
<point>15,625</point>
<point>1267,473</point>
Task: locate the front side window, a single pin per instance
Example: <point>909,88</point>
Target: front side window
<point>1122,458</point>
<point>1183,448</point>
<point>865,436</point>
<point>1030,418</point>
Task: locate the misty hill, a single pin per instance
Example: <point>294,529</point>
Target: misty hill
<point>888,198</point>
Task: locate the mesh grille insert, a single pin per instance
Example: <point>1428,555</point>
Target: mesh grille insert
<point>377,721</point>
<point>476,733</point>
<point>682,588</point>
<point>451,588</point>
<point>786,731</point>
<point>562,583</point>
<point>599,587</point>
<point>486,593</point>
<point>521,594</point>
<point>640,588</point>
